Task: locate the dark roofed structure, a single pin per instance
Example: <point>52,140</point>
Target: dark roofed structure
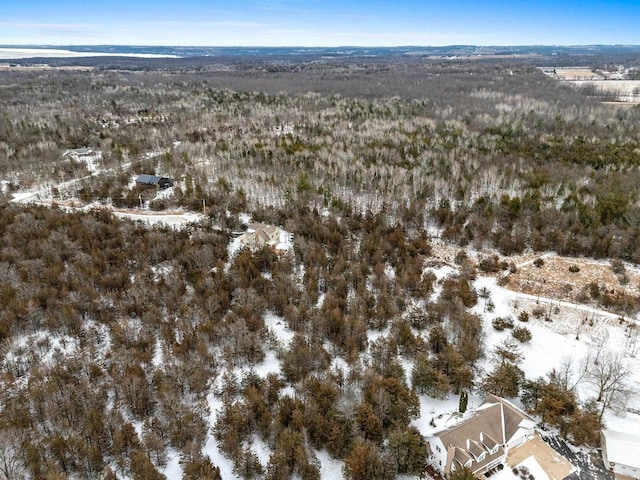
<point>154,180</point>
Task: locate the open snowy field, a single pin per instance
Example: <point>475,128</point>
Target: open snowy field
<point>15,53</point>
<point>175,220</point>
<point>626,90</point>
<point>615,82</point>
<point>577,73</point>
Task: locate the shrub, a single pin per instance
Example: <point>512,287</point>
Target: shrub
<point>490,305</point>
<point>500,323</point>
<point>574,269</point>
<point>617,266</point>
<point>537,312</point>
<point>538,262</point>
<point>523,316</point>
<point>522,334</point>
<point>461,257</point>
<point>158,204</point>
<point>492,264</point>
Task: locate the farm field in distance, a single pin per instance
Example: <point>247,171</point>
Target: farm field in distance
<point>619,86</point>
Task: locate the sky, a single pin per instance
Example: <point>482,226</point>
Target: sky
<point>318,22</point>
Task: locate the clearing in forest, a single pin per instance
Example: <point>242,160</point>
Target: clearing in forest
<point>582,281</point>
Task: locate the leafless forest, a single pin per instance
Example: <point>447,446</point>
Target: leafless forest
<point>114,336</point>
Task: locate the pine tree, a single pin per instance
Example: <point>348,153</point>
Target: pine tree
<point>409,450</point>
<point>365,463</point>
<point>464,473</point>
<point>464,400</point>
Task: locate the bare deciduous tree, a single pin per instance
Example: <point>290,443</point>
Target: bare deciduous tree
<point>609,378</point>
<point>10,465</point>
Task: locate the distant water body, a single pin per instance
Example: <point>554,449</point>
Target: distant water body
<point>17,53</point>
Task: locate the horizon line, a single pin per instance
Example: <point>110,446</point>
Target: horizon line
<point>58,45</point>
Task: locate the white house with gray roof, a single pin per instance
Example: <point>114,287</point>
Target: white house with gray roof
<point>259,235</point>
<point>78,152</point>
<point>482,441</point>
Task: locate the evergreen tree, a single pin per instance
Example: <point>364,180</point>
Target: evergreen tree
<point>464,473</point>
<point>464,400</point>
<point>409,450</point>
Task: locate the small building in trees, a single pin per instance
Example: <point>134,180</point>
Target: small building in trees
<point>86,155</point>
<point>154,181</point>
<point>259,235</point>
<point>77,153</point>
<point>621,453</point>
<point>481,442</point>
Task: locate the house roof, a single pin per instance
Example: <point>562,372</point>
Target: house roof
<point>494,423</point>
<point>260,234</point>
<point>146,178</point>
<point>149,179</point>
<point>458,458</point>
<point>514,418</point>
<point>488,441</point>
<point>263,227</point>
<point>461,457</point>
<point>475,448</point>
<point>622,448</point>
<point>487,421</point>
<point>79,151</point>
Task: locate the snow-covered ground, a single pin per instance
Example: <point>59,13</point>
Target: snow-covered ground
<point>42,195</point>
<point>211,445</point>
<point>14,53</point>
<point>175,220</point>
<point>41,347</point>
<point>91,160</point>
<point>550,346</point>
<point>330,468</point>
<point>529,465</point>
<point>573,330</point>
<point>567,337</point>
<point>286,241</point>
<point>278,327</point>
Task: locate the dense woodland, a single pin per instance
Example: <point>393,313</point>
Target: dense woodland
<point>495,156</point>
<point>115,335</point>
